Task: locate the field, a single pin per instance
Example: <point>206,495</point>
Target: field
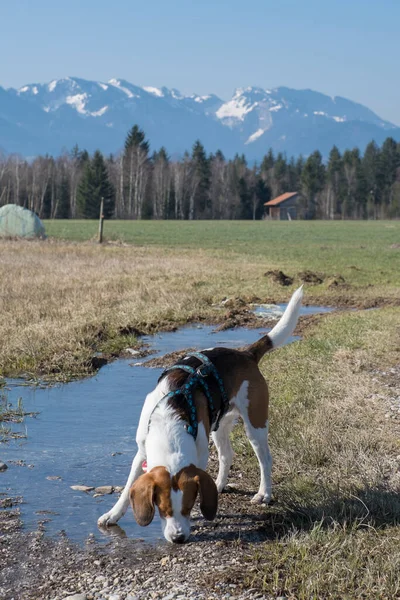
<point>67,298</point>
<point>334,528</point>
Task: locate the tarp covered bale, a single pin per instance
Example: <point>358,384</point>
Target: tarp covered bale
<point>16,221</point>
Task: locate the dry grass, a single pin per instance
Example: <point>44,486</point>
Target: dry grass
<point>60,302</point>
<point>334,529</point>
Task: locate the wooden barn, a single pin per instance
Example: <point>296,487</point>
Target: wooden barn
<point>284,207</point>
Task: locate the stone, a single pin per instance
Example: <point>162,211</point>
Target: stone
<point>3,466</point>
<point>132,351</point>
<point>82,488</point>
<point>76,597</point>
<point>104,489</point>
<point>54,477</point>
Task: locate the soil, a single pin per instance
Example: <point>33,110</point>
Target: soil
<point>279,277</point>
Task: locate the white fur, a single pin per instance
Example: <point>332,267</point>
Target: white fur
<point>165,443</point>
<point>258,438</point>
<point>168,444</point>
<point>176,526</point>
<point>287,323</point>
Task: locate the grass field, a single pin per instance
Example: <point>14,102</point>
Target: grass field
<point>66,298</point>
<point>333,247</point>
<point>334,530</point>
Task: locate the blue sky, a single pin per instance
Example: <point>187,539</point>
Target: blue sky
<point>346,48</point>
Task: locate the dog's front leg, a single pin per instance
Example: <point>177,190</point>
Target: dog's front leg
<point>119,509</point>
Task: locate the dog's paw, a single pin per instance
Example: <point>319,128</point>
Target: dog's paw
<point>261,499</point>
<point>108,519</point>
<point>221,486</point>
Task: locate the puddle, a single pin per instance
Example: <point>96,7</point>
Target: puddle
<point>275,311</point>
<point>85,434</point>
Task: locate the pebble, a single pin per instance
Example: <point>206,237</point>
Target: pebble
<point>82,488</point>
<point>76,597</point>
<point>3,466</point>
<point>104,489</point>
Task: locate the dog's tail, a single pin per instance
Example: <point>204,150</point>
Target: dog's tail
<point>282,330</point>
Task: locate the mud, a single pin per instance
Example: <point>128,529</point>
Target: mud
<point>279,277</point>
<point>310,277</point>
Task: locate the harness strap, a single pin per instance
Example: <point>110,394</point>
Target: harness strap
<point>197,376</point>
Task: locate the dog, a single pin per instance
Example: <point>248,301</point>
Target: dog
<point>203,392</point>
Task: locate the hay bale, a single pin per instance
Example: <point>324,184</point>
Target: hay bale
<point>16,221</point>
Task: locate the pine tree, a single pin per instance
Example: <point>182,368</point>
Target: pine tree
<point>389,161</point>
<point>336,184</point>
<point>94,186</point>
<point>200,197</point>
<point>135,173</point>
<point>136,139</point>
<point>312,180</point>
<point>352,165</point>
<point>63,199</point>
<point>370,167</point>
<point>280,176</point>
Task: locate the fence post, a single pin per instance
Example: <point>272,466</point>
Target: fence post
<point>101,221</point>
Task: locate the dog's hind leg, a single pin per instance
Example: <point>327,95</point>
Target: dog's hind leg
<point>258,438</point>
<point>120,508</point>
<point>224,448</point>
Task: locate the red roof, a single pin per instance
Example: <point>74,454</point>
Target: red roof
<point>281,198</point>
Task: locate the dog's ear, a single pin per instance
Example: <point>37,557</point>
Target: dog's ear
<point>142,499</point>
<point>208,494</point>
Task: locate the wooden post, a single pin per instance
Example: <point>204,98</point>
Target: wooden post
<point>101,221</point>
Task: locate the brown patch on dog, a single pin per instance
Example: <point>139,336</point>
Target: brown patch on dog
<point>192,476</point>
<point>185,481</point>
<point>151,488</point>
<point>203,415</point>
<point>258,401</point>
<point>260,347</point>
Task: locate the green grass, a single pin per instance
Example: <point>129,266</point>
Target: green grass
<point>358,250</point>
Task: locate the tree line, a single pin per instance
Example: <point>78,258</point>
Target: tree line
<point>139,185</point>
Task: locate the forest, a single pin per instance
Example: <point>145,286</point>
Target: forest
<point>138,184</point>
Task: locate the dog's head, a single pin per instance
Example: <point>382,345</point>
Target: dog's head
<point>174,496</point>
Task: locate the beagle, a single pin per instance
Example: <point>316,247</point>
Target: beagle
<point>176,459</point>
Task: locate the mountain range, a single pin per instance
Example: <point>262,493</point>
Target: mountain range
<point>53,117</point>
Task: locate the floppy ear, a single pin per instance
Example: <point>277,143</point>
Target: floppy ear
<point>208,494</point>
<point>142,502</point>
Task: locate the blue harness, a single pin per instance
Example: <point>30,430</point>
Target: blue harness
<point>198,377</point>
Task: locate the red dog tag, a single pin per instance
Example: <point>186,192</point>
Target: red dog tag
<point>144,466</point>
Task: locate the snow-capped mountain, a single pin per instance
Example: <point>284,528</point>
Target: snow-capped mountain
<point>52,117</point>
